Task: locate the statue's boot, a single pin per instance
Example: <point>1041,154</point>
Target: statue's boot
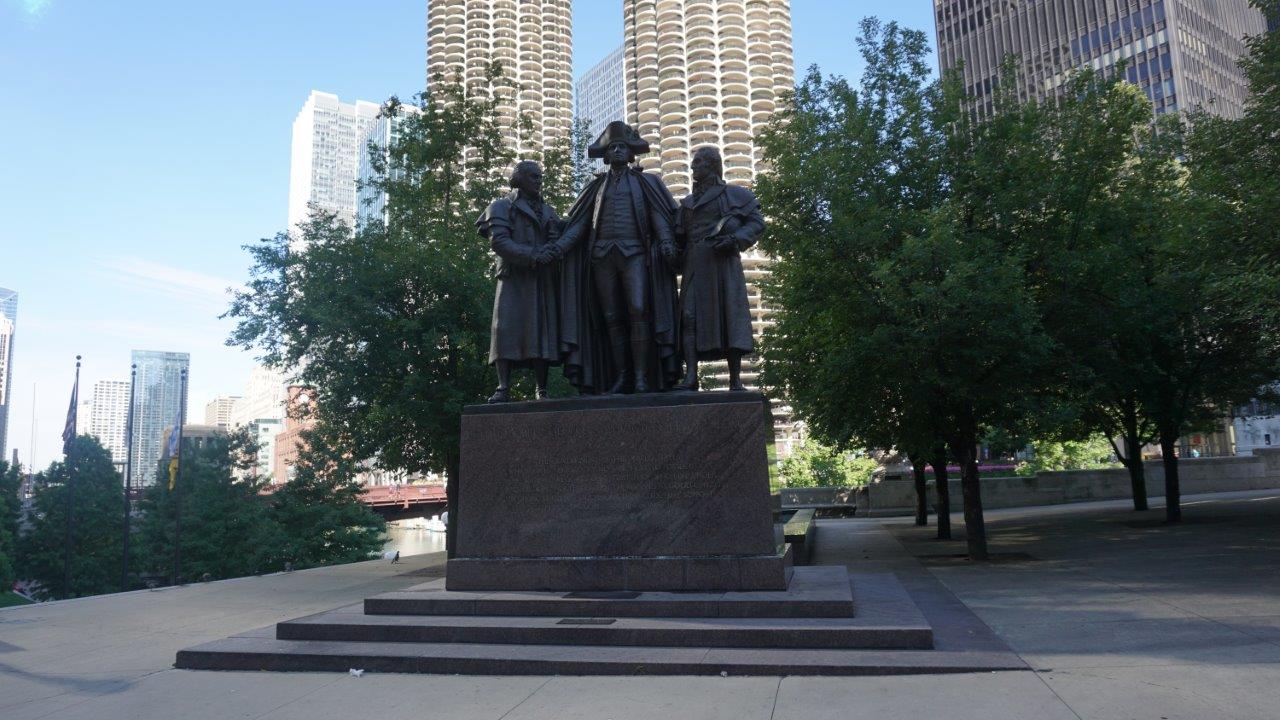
<point>690,383</point>
<point>735,372</point>
<point>618,349</point>
<point>503,393</point>
<point>540,368</point>
<point>640,355</point>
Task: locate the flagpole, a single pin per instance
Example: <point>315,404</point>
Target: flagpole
<point>68,443</point>
<point>177,487</point>
<point>128,472</point>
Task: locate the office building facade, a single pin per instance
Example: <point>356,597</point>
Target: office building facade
<point>1182,53</point>
<point>8,326</point>
<point>371,201</point>
<point>219,411</point>
<point>263,397</point>
<point>532,39</point>
<point>601,95</point>
<point>328,139</point>
<point>158,398</point>
<point>108,417</point>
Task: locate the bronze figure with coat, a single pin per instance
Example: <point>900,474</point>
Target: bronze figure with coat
<point>618,286</point>
<point>714,225</point>
<point>525,332</point>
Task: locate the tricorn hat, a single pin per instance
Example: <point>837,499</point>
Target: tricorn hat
<point>618,131</point>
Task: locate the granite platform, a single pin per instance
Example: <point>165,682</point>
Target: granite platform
<point>863,624</point>
<point>662,491</point>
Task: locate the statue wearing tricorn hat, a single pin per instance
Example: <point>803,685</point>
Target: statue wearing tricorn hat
<point>618,285</point>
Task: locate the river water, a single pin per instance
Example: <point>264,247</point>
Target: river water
<point>413,542</point>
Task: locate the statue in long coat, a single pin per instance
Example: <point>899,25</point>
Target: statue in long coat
<point>714,225</point>
<point>618,285</point>
<point>522,230</point>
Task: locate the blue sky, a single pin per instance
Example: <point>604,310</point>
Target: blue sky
<point>143,143</point>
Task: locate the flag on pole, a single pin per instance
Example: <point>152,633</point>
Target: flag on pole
<point>174,450</point>
<point>69,430</point>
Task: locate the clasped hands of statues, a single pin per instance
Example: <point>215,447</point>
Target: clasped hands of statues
<point>724,244</point>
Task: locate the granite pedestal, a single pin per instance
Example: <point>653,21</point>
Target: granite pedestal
<point>628,493</point>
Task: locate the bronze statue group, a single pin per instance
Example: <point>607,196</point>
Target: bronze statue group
<point>597,293</point>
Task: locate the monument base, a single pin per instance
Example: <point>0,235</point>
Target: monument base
<point>663,491</point>
<point>763,572</point>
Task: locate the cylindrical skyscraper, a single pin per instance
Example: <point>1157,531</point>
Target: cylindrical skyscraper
<point>533,39</point>
<point>710,72</point>
<point>705,72</point>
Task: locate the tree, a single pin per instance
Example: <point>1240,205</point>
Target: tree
<point>901,229</point>
<point>816,465</point>
<point>95,547</point>
<point>10,508</point>
<point>390,323</point>
<point>227,529</point>
<point>854,173</point>
<point>321,517</point>
<point>1091,454</point>
<point>1106,212</point>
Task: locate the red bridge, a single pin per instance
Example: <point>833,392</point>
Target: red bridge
<point>400,502</point>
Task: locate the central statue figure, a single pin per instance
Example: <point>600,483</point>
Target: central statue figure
<point>618,283</point>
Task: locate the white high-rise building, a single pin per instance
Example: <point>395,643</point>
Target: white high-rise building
<point>8,324</point>
<point>710,72</point>
<point>264,432</point>
<point>328,139</point>
<point>263,398</point>
<point>109,417</point>
<point>601,95</point>
<point>218,411</point>
<point>533,39</point>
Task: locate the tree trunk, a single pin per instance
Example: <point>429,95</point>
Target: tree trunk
<point>975,529</point>
<point>944,493</point>
<point>1137,473</point>
<point>1172,493</point>
<point>922,493</point>
<point>451,505</point>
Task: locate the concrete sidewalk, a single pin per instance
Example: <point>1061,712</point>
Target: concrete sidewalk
<point>1121,616</point>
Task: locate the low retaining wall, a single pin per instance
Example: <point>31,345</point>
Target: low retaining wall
<point>1259,471</point>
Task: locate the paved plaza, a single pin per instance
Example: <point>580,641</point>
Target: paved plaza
<point>1115,614</point>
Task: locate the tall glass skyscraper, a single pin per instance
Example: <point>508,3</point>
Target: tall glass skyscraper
<point>157,399</point>
<point>1182,53</point>
<point>8,323</point>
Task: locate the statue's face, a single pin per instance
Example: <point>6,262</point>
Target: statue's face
<point>530,181</point>
<point>703,167</point>
<point>617,152</point>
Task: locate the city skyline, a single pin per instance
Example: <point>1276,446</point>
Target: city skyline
<point>154,242</point>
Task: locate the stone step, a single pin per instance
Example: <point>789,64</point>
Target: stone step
<point>263,652</point>
<point>349,624</point>
<point>814,592</point>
